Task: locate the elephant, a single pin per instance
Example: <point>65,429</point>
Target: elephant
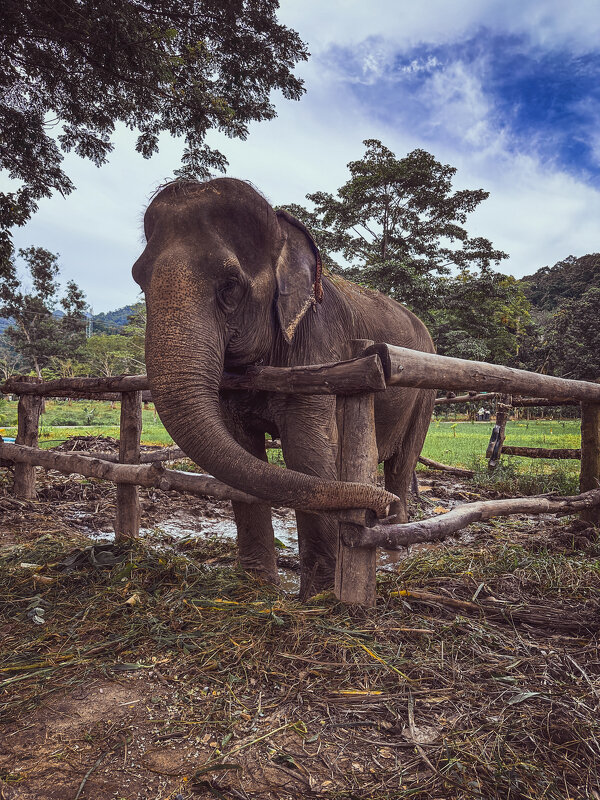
<point>229,282</point>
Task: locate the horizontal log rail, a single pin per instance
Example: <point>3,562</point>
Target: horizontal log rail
<point>148,475</point>
<point>434,529</point>
<point>472,397</point>
<point>541,452</point>
<point>67,387</point>
<point>412,368</point>
<point>354,376</point>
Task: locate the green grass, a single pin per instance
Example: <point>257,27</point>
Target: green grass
<point>460,443</point>
<point>457,443</point>
<point>63,420</point>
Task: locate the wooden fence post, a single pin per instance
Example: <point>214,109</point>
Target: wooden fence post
<point>127,520</point>
<point>589,477</point>
<point>28,416</point>
<point>356,566</point>
<point>494,448</point>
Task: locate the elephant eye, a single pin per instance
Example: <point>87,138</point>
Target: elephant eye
<point>229,294</point>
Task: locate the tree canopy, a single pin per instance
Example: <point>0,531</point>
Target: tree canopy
<point>398,225</point>
<point>71,70</point>
<point>35,332</point>
<point>571,338</point>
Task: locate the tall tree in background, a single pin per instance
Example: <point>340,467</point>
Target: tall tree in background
<point>70,70</point>
<point>481,316</point>
<point>397,225</point>
<point>35,333</point>
<point>571,346</point>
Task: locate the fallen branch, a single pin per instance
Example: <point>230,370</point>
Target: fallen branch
<point>147,457</point>
<point>539,616</point>
<point>465,473</point>
<point>395,537</point>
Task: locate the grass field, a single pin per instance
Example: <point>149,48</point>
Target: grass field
<point>457,443</point>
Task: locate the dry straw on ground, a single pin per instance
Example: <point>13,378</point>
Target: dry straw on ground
<point>477,675</point>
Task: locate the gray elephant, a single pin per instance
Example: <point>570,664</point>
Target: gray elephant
<point>229,283</point>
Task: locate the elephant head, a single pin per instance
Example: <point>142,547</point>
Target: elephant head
<point>225,278</point>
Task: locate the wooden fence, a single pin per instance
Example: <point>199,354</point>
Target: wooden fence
<point>369,369</point>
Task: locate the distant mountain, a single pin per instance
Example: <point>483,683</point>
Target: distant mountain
<point>5,323</point>
<point>107,322</point>
<point>570,279</point>
<point>112,321</point>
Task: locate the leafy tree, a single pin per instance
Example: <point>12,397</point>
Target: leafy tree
<point>571,345</point>
<point>112,354</point>
<point>397,225</point>
<point>481,316</point>
<point>36,334</point>
<point>10,360</point>
<point>71,70</point>
<point>135,331</point>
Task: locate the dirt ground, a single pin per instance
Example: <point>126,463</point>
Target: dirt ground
<point>165,673</point>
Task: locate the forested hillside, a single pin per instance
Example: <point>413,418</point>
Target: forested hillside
<point>569,279</point>
<point>111,321</point>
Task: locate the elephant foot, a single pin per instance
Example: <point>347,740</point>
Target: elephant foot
<point>399,512</point>
<point>262,576</point>
<point>315,581</point>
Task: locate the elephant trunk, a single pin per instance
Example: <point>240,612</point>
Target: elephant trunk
<point>184,357</point>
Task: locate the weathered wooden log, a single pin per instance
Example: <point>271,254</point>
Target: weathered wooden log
<point>555,619</point>
<point>346,377</point>
<point>528,402</point>
<point>589,477</point>
<point>464,473</point>
<point>137,474</point>
<point>356,567</point>
<point>147,457</point>
<point>28,421</point>
<point>465,398</point>
<point>161,453</point>
<point>127,517</point>
<point>541,452</point>
<point>434,529</point>
<point>404,367</point>
<point>115,383</point>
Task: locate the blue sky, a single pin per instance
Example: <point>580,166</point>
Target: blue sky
<point>505,91</point>
<point>545,102</point>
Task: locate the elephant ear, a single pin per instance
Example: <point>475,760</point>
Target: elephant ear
<point>298,272</point>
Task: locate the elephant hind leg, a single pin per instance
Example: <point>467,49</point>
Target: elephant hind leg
<point>398,472</point>
<point>399,469</point>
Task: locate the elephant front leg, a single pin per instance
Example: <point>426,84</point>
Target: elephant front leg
<point>309,440</point>
<point>256,541</point>
<point>255,537</point>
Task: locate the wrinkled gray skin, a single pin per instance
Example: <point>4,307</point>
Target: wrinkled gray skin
<point>229,283</point>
